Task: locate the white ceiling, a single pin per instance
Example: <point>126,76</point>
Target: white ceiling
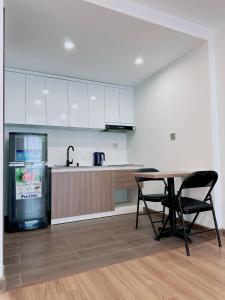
<point>106,42</point>
<point>207,13</point>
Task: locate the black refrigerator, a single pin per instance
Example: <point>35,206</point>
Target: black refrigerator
<point>27,184</point>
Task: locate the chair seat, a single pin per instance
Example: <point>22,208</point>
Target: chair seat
<point>189,205</point>
<point>155,197</point>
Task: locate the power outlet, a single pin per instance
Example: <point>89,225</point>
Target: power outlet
<point>115,145</point>
<point>173,136</point>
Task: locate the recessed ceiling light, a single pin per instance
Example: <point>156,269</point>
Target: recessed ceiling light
<point>74,106</point>
<point>69,45</point>
<point>93,98</point>
<point>63,117</point>
<point>38,102</point>
<point>45,92</point>
<point>139,61</point>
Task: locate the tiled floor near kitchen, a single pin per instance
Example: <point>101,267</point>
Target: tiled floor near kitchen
<point>70,248</point>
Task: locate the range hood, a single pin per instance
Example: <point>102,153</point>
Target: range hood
<point>119,128</point>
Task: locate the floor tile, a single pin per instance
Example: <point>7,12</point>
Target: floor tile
<point>97,251</point>
<point>32,235</point>
<point>44,245</point>
<point>75,267</point>
<point>13,281</point>
<point>40,263</point>
<point>80,231</point>
<point>11,260</point>
<point>127,229</point>
<point>87,244</point>
<point>76,239</point>
<point>40,240</point>
<point>134,235</point>
<point>146,240</point>
<point>71,248</point>
<point>46,252</point>
<point>159,246</point>
<point>10,237</point>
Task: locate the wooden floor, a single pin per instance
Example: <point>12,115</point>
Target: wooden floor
<point>169,274</point>
<point>60,250</point>
<point>73,248</point>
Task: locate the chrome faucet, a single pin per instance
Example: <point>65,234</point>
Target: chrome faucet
<point>68,162</point>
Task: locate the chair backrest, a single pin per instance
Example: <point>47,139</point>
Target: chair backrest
<point>200,179</point>
<point>146,170</point>
<point>142,179</point>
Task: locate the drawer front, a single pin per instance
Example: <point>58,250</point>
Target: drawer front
<point>124,179</point>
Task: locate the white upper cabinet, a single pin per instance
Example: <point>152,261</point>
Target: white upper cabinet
<point>35,100</point>
<point>126,107</point>
<point>96,99</point>
<point>119,106</point>
<point>78,104</point>
<point>112,105</point>
<point>15,98</point>
<point>56,102</point>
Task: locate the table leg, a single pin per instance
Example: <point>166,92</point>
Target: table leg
<point>172,230</point>
<point>171,194</point>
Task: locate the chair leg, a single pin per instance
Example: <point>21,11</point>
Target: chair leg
<point>150,218</point>
<point>137,215</point>
<point>163,217</point>
<point>185,236</point>
<point>164,225</point>
<point>216,227</point>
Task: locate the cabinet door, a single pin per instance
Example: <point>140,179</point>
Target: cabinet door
<point>112,105</point>
<point>78,104</point>
<point>15,98</point>
<point>83,193</point>
<point>126,107</point>
<point>56,102</point>
<point>96,106</point>
<point>35,100</point>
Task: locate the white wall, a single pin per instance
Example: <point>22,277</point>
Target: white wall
<point>220,69</point>
<point>175,100</point>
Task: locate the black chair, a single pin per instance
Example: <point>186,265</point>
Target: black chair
<point>150,198</point>
<point>186,205</point>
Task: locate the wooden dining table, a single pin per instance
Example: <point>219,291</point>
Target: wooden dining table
<point>169,176</point>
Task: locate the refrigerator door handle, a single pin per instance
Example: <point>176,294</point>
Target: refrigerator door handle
<point>25,164</point>
<point>14,164</point>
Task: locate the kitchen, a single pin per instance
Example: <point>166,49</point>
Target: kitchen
<point>90,91</point>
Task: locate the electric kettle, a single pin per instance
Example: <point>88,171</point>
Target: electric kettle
<point>99,157</point>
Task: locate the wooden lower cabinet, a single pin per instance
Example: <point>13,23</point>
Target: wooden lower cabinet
<point>81,193</point>
<point>87,192</point>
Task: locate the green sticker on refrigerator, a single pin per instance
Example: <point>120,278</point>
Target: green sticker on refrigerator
<point>28,183</point>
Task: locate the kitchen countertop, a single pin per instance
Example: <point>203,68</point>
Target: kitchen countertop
<point>59,169</point>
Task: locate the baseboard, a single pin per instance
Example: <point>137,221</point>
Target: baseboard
<point>222,232</point>
<point>116,212</point>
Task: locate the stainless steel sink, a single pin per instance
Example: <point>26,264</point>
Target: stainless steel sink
<point>121,165</point>
<point>64,166</point>
<point>80,166</point>
<point>58,166</point>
